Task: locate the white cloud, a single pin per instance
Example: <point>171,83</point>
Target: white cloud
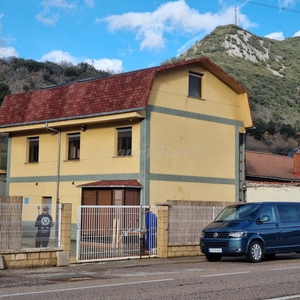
<point>8,52</point>
<point>1,16</point>
<point>105,64</point>
<point>51,8</point>
<point>58,4</point>
<point>4,50</point>
<point>297,33</point>
<point>285,3</point>
<point>275,36</point>
<point>90,3</point>
<point>174,17</point>
<point>187,45</point>
<point>50,20</point>
<point>59,56</point>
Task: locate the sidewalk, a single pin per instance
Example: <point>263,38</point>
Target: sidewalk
<point>106,265</point>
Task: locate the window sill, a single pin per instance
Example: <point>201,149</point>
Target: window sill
<point>71,160</point>
<point>31,162</point>
<point>194,97</point>
<point>121,156</point>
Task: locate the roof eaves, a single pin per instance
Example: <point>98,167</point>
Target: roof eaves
<point>273,178</point>
<point>74,117</point>
<point>109,186</point>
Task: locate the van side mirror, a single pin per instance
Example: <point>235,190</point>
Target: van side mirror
<point>263,219</point>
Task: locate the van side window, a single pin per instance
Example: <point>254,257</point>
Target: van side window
<point>269,210</point>
<point>289,213</point>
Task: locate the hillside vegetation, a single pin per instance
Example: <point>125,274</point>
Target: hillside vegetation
<point>269,70</point>
<point>18,75</point>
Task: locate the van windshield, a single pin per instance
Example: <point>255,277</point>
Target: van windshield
<point>238,213</point>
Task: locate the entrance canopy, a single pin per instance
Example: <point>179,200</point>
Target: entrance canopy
<point>112,184</point>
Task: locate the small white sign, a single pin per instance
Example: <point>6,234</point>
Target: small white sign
<point>215,250</point>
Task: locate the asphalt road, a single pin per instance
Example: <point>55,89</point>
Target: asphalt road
<point>153,278</point>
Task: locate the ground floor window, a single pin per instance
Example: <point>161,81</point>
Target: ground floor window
<point>110,196</point>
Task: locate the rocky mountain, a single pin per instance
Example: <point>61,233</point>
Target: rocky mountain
<point>269,69</point>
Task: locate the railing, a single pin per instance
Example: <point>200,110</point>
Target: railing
<point>113,232</point>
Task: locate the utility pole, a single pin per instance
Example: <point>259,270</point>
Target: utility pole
<point>235,15</point>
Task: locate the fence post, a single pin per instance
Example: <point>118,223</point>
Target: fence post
<point>66,216</point>
<point>11,222</point>
<point>162,230</point>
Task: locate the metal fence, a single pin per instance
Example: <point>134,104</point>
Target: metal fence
<point>17,226</point>
<point>187,221</point>
<point>115,232</point>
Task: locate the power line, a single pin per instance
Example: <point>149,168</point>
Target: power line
<point>271,6</point>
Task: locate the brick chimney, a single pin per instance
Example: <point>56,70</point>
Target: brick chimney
<point>297,163</point>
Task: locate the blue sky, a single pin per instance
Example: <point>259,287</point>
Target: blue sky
<point>126,35</point>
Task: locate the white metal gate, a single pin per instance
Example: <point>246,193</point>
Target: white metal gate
<point>114,232</point>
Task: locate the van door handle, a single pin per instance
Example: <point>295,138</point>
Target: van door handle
<point>277,225</point>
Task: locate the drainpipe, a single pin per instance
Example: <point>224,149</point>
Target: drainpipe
<point>58,176</point>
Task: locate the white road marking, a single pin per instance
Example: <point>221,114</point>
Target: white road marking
<point>138,274</point>
<point>285,298</point>
<point>145,274</point>
<point>225,274</point>
<point>86,287</point>
<point>278,269</point>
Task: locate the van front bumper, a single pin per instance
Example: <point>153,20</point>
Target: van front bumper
<point>228,246</point>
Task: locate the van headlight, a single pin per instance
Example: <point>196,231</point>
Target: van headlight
<point>203,234</point>
<point>238,234</point>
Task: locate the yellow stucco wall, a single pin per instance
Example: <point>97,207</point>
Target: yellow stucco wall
<point>170,90</point>
<point>97,153</point>
<point>199,148</point>
<point>164,190</point>
<point>97,157</point>
<point>69,193</point>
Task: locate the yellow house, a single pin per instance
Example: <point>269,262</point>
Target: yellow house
<point>174,131</point>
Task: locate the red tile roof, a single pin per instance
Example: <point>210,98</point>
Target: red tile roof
<point>112,183</point>
<point>114,94</point>
<point>264,166</point>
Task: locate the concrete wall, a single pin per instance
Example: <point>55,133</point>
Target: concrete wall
<point>257,192</point>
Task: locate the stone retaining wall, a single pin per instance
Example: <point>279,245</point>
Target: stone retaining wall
<point>184,251</point>
<point>32,258</point>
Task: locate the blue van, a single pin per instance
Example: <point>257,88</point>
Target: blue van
<point>256,230</point>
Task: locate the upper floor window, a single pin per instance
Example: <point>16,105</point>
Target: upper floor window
<point>195,86</point>
<point>33,149</point>
<point>124,141</point>
<point>74,146</point>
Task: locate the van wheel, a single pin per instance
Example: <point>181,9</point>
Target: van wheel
<point>255,252</point>
<point>214,257</point>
